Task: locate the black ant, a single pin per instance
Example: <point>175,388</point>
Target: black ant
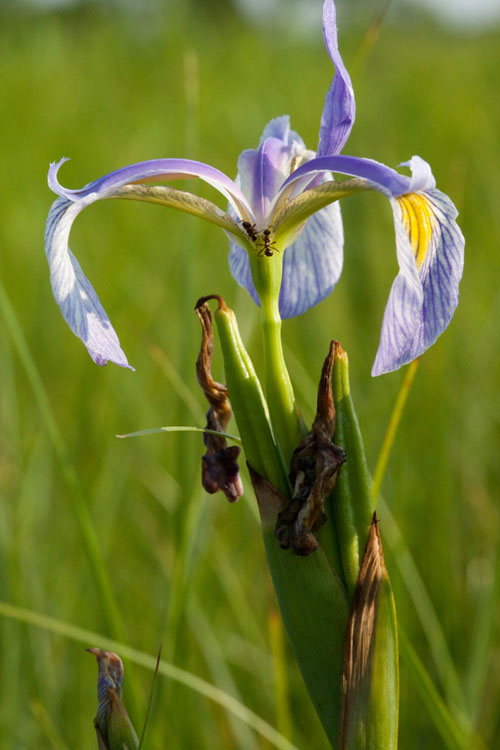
<point>268,247</point>
<point>250,230</point>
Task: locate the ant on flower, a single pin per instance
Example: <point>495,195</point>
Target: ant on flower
<point>268,247</point>
<point>250,230</point>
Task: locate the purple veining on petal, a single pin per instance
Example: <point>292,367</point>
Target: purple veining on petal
<point>156,170</point>
<point>239,265</point>
<point>72,290</point>
<point>340,109</point>
<point>439,277</point>
<point>313,263</point>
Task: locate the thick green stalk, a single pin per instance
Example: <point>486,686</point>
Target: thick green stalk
<point>312,599</point>
<point>287,424</point>
<point>313,605</point>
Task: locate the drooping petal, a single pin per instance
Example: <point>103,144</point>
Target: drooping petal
<point>429,247</point>
<point>428,235</point>
<point>156,170</point>
<point>340,109</point>
<point>72,290</point>
<point>313,263</point>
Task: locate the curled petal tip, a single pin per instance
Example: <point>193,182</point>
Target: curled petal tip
<point>52,180</point>
<point>421,174</point>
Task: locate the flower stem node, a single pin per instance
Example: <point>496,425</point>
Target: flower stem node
<point>219,465</point>
<point>313,474</point>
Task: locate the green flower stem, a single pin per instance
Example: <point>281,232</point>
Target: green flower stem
<point>352,506</point>
<point>287,424</point>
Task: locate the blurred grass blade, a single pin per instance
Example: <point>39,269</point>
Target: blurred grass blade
<point>414,583</point>
<point>392,428</point>
<point>174,378</point>
<point>281,682</point>
<point>150,700</point>
<point>210,644</point>
<point>370,677</point>
<point>52,736</point>
<point>181,676</point>
<point>370,38</point>
<point>91,546</point>
<point>454,737</point>
<point>178,428</point>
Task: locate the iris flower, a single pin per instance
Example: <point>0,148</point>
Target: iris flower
<point>283,204</point>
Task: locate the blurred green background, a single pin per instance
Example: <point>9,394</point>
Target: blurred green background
<point>109,84</point>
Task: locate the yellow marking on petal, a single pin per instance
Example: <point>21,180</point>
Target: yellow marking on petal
<point>417,221</point>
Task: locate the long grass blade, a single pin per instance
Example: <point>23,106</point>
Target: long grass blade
<point>103,586</point>
<point>179,428</point>
<point>165,668</point>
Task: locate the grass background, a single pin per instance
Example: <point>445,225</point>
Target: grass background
<point>187,570</point>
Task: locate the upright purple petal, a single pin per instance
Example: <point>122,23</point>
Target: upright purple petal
<point>261,171</point>
<point>340,108</point>
<point>72,290</point>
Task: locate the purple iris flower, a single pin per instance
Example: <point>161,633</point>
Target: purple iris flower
<point>284,200</point>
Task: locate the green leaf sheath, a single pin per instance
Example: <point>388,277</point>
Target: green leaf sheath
<point>351,499</point>
<point>314,607</point>
<point>370,675</point>
<point>248,403</point>
<point>384,697</point>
